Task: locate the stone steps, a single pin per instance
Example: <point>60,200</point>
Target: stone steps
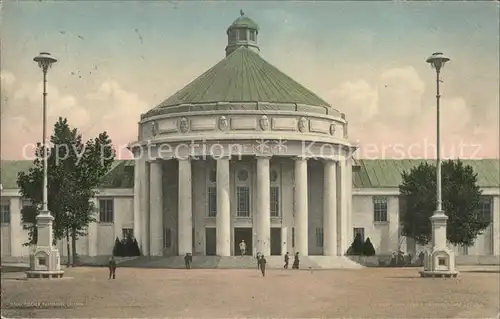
<point>241,262</point>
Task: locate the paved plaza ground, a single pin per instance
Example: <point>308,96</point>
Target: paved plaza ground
<point>369,293</point>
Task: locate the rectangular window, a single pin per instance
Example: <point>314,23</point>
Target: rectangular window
<point>275,201</point>
<point>167,238</point>
<point>360,231</point>
<point>293,237</point>
<point>242,34</point>
<point>319,237</point>
<point>212,201</point>
<point>380,209</point>
<point>252,35</point>
<point>485,208</point>
<point>243,201</point>
<point>106,211</point>
<point>5,212</point>
<point>233,36</point>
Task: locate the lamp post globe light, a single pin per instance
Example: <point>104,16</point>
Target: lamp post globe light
<point>439,260</point>
<point>45,262</point>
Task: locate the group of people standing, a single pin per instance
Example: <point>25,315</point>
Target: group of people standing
<point>296,261</point>
<point>261,262</point>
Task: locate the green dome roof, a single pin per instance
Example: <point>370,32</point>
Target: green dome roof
<point>244,22</point>
<point>243,76</point>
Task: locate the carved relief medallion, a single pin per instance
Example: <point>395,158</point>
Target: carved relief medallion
<point>303,124</point>
<point>264,123</point>
<point>332,129</point>
<point>223,123</point>
<point>154,128</point>
<point>184,125</point>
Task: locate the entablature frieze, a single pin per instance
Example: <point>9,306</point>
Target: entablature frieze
<point>237,149</point>
<point>229,124</point>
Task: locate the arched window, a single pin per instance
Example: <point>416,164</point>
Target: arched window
<point>243,195</point>
<point>275,195</point>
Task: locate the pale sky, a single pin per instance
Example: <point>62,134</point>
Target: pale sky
<point>119,59</point>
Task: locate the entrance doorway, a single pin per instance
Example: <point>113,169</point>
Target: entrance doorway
<point>275,241</point>
<point>210,241</point>
<point>243,234</point>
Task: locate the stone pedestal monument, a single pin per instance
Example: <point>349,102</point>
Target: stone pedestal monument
<point>45,261</point>
<point>439,261</point>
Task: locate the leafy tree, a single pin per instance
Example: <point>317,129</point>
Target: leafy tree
<point>460,194</point>
<point>356,248</point>
<point>368,249</point>
<point>75,169</point>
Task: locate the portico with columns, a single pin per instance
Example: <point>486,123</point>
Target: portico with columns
<point>258,158</point>
<point>287,202</point>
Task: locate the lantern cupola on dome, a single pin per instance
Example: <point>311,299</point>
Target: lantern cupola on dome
<point>242,32</point>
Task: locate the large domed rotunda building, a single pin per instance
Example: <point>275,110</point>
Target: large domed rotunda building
<point>243,152</point>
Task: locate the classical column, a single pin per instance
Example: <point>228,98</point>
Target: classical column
<point>263,206</point>
<point>349,225</point>
<point>342,236</point>
<point>144,205</point>
<point>301,208</point>
<point>156,208</point>
<point>16,232</point>
<point>92,230</point>
<point>185,220</point>
<point>137,203</point>
<point>223,219</point>
<point>330,208</point>
<point>495,224</point>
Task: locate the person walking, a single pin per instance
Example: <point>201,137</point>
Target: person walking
<point>258,260</point>
<point>243,248</point>
<point>187,260</point>
<point>112,267</point>
<point>287,258</point>
<point>296,261</point>
<point>263,262</point>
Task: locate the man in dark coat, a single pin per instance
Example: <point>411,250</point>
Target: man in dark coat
<point>258,260</point>
<point>112,267</point>
<point>262,262</point>
<point>287,258</point>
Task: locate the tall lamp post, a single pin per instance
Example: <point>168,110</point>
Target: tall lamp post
<point>45,262</point>
<point>439,260</point>
<point>45,61</point>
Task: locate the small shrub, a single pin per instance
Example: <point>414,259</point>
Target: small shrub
<point>119,248</point>
<point>368,249</point>
<point>130,247</point>
<point>356,248</point>
<point>136,251</point>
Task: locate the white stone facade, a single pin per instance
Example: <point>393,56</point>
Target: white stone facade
<point>384,235</point>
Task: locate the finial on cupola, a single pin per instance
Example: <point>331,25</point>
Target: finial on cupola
<point>241,12</point>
